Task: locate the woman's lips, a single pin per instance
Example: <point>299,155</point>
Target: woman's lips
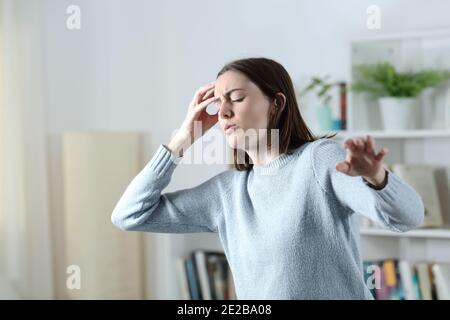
<point>231,129</point>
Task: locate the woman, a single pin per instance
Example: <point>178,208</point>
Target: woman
<point>289,235</point>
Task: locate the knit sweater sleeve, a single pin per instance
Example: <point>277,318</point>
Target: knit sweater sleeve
<point>397,206</point>
<point>142,207</point>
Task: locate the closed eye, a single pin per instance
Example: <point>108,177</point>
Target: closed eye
<point>238,100</point>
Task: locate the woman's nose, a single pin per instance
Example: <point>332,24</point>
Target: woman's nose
<point>224,110</point>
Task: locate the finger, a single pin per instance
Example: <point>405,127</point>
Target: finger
<point>370,145</point>
<point>350,144</point>
<point>200,92</point>
<point>343,167</point>
<point>205,103</point>
<point>208,94</point>
<point>198,97</point>
<point>383,152</point>
<point>349,147</point>
<point>360,145</point>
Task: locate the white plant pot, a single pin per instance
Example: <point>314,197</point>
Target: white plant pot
<point>399,113</point>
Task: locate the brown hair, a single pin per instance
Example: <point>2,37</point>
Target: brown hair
<point>272,78</point>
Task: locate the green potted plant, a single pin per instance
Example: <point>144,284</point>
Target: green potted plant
<point>324,112</point>
<point>397,92</point>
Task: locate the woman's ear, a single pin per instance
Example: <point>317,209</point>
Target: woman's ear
<point>280,101</point>
<point>276,109</point>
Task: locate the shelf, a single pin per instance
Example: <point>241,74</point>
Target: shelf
<point>415,34</point>
<point>419,233</point>
<point>409,134</point>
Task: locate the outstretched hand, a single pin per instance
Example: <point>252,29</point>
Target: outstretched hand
<point>362,160</point>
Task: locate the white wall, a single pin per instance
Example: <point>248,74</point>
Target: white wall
<point>25,254</point>
<point>135,65</point>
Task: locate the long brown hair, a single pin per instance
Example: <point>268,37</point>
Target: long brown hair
<point>272,78</point>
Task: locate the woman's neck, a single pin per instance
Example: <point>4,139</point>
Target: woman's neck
<point>260,159</point>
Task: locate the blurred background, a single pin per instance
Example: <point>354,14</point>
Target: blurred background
<point>89,89</point>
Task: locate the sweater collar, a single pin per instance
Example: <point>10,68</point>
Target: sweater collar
<point>280,161</point>
<point>272,166</point>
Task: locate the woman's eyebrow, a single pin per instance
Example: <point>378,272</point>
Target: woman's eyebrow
<point>230,91</point>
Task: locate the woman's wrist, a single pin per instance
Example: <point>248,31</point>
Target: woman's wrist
<point>378,178</point>
<point>179,144</point>
<point>379,181</point>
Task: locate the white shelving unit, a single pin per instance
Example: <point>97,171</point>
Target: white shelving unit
<point>419,233</point>
<point>428,145</point>
<point>410,134</point>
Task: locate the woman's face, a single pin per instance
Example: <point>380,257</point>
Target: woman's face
<point>241,104</point>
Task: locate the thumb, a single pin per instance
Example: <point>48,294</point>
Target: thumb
<point>343,167</point>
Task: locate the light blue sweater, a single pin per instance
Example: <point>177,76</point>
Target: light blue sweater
<point>291,233</point>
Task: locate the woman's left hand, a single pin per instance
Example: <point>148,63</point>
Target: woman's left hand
<point>361,160</point>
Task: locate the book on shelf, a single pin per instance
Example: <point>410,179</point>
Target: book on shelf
<point>343,104</point>
<point>205,275</point>
<point>430,183</point>
<point>442,277</point>
<point>338,104</point>
<point>394,279</point>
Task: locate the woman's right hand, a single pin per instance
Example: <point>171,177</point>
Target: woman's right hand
<point>185,136</point>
